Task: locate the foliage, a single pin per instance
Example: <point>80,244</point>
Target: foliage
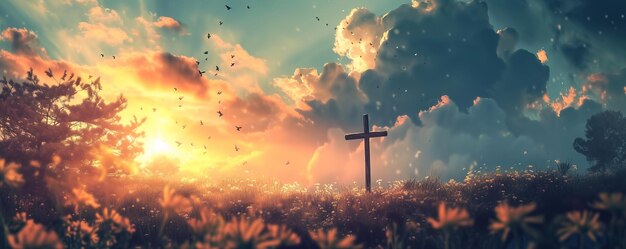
<point>605,143</point>
<point>67,120</point>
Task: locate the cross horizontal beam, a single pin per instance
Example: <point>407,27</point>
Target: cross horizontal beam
<point>366,135</point>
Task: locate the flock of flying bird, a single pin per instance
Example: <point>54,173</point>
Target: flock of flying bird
<point>217,70</point>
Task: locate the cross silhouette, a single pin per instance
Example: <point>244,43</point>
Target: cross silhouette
<point>366,135</point>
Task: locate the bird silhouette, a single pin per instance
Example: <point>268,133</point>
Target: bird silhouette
<point>232,64</point>
<point>248,6</point>
<point>220,113</point>
<point>175,89</point>
<point>201,72</point>
<point>287,163</point>
<point>153,109</point>
<point>206,52</point>
<point>209,137</point>
<point>228,7</point>
<point>221,23</point>
<point>208,35</point>
<point>318,18</point>
<point>113,57</point>
<point>238,128</point>
<point>236,148</point>
<point>179,143</point>
<point>181,97</point>
<point>219,92</point>
<point>205,147</point>
<point>102,55</point>
<point>232,56</point>
<point>197,62</point>
<point>217,68</point>
<point>201,123</point>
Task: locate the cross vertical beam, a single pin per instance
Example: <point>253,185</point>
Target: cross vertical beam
<point>366,135</point>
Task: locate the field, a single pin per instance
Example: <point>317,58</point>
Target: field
<point>535,210</point>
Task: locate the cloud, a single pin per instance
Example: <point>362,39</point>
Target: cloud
<point>101,33</point>
<point>98,14</point>
<point>358,37</point>
<point>23,41</point>
<point>163,70</point>
<point>166,22</point>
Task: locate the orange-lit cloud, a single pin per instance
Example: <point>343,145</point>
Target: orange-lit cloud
<point>102,33</point>
<point>166,22</point>
<point>542,56</point>
<point>23,41</point>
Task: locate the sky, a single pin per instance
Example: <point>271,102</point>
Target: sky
<point>460,86</point>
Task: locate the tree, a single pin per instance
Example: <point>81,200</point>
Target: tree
<point>605,144</point>
<point>64,130</point>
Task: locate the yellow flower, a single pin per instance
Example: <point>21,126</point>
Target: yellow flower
<point>9,175</point>
<point>284,235</point>
<point>450,218</point>
<point>330,240</point>
<point>80,197</point>
<point>582,223</point>
<point>614,202</point>
<point>208,226</point>
<point>111,219</point>
<point>35,236</point>
<point>515,219</point>
<point>241,233</point>
<point>171,201</point>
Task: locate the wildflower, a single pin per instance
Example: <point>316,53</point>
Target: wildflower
<point>330,239</point>
<point>81,232</point>
<point>450,218</point>
<point>35,236</point>
<point>614,202</point>
<point>208,226</point>
<point>112,220</point>
<point>284,235</point>
<point>171,201</point>
<point>582,223</point>
<point>80,197</point>
<point>241,233</point>
<point>514,219</point>
<point>9,175</point>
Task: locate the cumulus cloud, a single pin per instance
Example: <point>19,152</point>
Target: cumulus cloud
<point>102,33</point>
<point>166,22</point>
<point>23,41</point>
<point>358,37</point>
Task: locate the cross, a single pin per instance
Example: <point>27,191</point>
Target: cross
<point>366,135</point>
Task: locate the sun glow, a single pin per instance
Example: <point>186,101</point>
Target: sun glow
<point>156,146</point>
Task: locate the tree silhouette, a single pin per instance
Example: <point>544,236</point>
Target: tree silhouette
<point>605,145</point>
<point>65,130</point>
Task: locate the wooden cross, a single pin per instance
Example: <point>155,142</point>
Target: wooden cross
<point>366,135</point>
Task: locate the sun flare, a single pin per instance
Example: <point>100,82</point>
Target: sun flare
<point>156,146</point>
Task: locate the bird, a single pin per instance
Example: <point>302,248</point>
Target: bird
<point>179,143</point>
<point>206,52</point>
<point>232,56</point>
<point>209,137</point>
<point>232,64</point>
<point>201,72</point>
<point>201,123</point>
<point>219,92</point>
<point>217,68</point>
<point>181,97</point>
<point>221,23</point>
<point>238,128</point>
<point>317,17</point>
<point>114,57</point>
<point>208,35</point>
<point>153,109</point>
<point>191,144</point>
<point>248,6</point>
<point>236,148</point>
<point>175,89</point>
<point>287,163</point>
<point>228,7</point>
<point>197,62</point>
<point>220,113</point>
<point>205,147</point>
<point>102,55</point>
